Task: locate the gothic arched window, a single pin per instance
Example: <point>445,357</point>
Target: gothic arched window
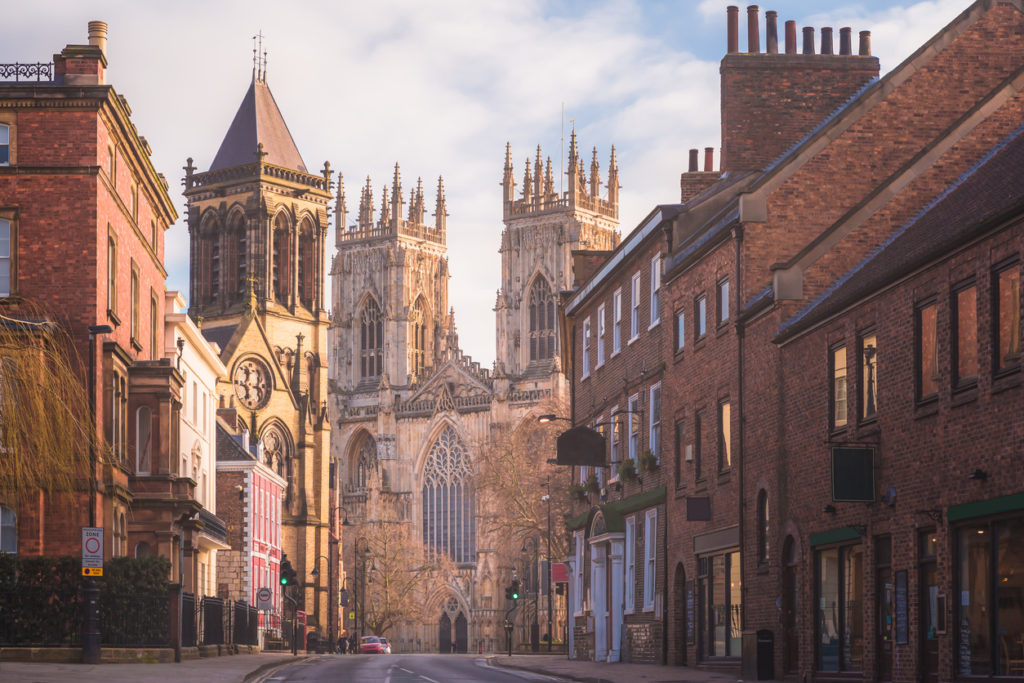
<point>282,259</point>
<point>371,340</point>
<point>417,337</point>
<point>542,321</point>
<point>449,523</point>
<point>240,254</point>
<point>306,264</point>
<point>366,459</point>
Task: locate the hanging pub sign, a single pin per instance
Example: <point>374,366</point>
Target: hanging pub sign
<point>581,446</point>
<point>853,473</point>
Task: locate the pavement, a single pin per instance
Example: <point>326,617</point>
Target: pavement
<point>599,672</point>
<point>227,669</point>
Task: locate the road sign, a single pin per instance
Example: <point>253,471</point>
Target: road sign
<point>352,616</point>
<point>264,598</point>
<point>92,549</point>
<point>92,571</point>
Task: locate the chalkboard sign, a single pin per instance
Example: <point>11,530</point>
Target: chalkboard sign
<point>853,473</point>
<point>691,629</point>
<point>902,627</point>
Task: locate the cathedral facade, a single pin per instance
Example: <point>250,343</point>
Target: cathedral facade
<point>257,222</point>
<point>410,411</point>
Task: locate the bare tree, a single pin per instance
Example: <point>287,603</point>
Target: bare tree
<point>399,572</point>
<point>45,426</point>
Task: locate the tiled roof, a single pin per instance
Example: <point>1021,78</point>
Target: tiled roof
<point>219,335</point>
<point>258,120</point>
<point>980,199</point>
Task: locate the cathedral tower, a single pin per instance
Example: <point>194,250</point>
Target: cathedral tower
<point>257,224</point>
<point>543,227</point>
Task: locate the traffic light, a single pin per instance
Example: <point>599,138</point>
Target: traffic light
<point>515,589</point>
<point>288,575</point>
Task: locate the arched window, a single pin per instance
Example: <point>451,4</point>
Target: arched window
<point>8,530</point>
<point>762,526</point>
<point>417,337</point>
<point>307,263</point>
<point>449,523</point>
<point>282,259</point>
<point>143,440</point>
<point>122,541</point>
<point>214,267</point>
<point>240,238</point>
<point>542,321</point>
<point>142,549</point>
<point>372,340</point>
<point>366,460</point>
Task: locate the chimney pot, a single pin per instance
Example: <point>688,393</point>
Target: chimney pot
<point>693,161</point>
<point>790,37</point>
<point>865,43</point>
<point>845,46</point>
<point>771,38</point>
<point>826,40</point>
<point>733,28</point>
<point>808,40</point>
<point>98,35</point>
<point>753,34</point>
<point>709,159</point>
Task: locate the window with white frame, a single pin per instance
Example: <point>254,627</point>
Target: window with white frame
<point>650,557</point>
<point>700,312</point>
<point>586,348</point>
<point>722,296</point>
<point>5,144</point>
<point>6,260</point>
<point>634,427</point>
<point>634,304</point>
<point>616,321</point>
<point>616,421</point>
<point>680,330</point>
<point>630,592</point>
<point>655,290</point>
<point>600,335</point>
<point>654,421</point>
<point>577,594</point>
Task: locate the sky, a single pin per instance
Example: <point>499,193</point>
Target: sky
<point>439,87</point>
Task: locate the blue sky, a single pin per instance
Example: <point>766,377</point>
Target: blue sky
<point>440,87</point>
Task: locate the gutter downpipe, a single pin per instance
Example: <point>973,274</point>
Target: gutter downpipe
<point>737,234</point>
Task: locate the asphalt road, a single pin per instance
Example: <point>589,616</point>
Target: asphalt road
<point>400,669</point>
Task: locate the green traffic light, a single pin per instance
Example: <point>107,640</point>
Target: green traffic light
<point>515,596</point>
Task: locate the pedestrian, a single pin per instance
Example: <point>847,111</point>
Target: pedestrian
<point>342,643</point>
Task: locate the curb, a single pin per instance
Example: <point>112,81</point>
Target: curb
<point>269,668</point>
<point>505,664</point>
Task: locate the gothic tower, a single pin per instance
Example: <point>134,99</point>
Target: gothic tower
<point>543,227</point>
<point>390,287</point>
<point>257,224</point>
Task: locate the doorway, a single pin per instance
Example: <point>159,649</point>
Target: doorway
<point>791,643</point>
<point>929,625</point>
<point>444,634</point>
<point>461,634</point>
<point>679,616</point>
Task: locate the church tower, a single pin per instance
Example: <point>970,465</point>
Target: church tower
<point>257,222</point>
<point>390,287</point>
<point>543,227</point>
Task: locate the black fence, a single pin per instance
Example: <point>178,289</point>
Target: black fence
<point>212,614</point>
<point>246,624</point>
<point>135,620</point>
<point>188,620</point>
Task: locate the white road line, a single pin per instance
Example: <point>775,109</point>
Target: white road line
<point>407,671</point>
<point>429,680</point>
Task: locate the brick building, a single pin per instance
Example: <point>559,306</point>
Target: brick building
<point>752,517</point>
<point>250,496</point>
<point>70,156</point>
<point>614,351</point>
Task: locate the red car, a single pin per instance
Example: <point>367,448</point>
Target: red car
<point>371,645</point>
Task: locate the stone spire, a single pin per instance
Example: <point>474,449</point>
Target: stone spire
<point>595,176</point>
<point>549,180</point>
<point>366,206</point>
<point>613,180</point>
<point>538,170</point>
<point>340,210</point>
<point>574,168</point>
<point>508,183</point>
<point>385,210</point>
<point>397,200</point>
<point>527,182</point>
<point>416,208</point>
<point>440,208</point>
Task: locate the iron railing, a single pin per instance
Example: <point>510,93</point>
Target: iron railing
<point>40,72</point>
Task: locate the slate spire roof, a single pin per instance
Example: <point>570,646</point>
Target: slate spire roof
<point>258,120</point>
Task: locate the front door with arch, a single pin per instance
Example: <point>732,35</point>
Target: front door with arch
<point>461,634</point>
<point>444,634</point>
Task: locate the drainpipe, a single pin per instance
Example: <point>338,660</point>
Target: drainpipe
<point>737,236</point>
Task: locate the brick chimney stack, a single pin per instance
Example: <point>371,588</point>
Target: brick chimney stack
<point>771,100</point>
<point>84,64</point>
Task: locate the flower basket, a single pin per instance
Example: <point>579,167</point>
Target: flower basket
<point>627,470</point>
<point>592,485</point>
<point>578,491</point>
<point>648,462</point>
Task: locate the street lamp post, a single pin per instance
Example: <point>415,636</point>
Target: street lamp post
<point>534,575</point>
<point>547,499</point>
<point>316,573</point>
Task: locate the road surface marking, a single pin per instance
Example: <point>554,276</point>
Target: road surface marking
<point>407,671</point>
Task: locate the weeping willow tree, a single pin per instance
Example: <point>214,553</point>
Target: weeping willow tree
<point>45,424</point>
